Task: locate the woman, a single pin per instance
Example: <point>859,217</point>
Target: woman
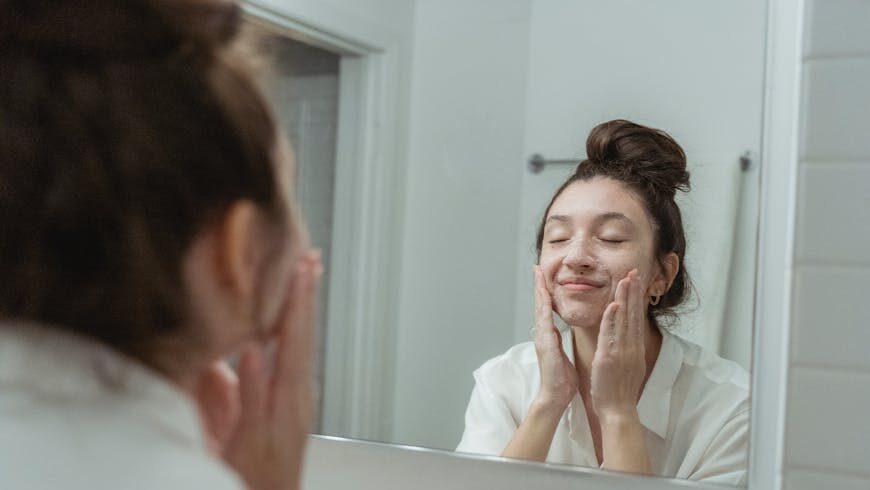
<point>616,390</point>
<point>148,231</point>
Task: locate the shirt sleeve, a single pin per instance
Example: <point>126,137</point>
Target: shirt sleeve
<point>489,424</point>
<point>726,458</point>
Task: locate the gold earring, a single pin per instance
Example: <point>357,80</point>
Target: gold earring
<point>654,300</point>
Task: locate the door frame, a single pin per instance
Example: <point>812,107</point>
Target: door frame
<point>781,119</point>
<point>357,385</point>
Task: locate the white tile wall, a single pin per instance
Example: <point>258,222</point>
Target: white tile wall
<point>830,315</point>
<point>851,35</point>
<point>833,213</point>
<point>827,425</point>
<point>827,441</point>
<point>835,106</point>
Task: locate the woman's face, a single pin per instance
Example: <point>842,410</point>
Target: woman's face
<point>281,268</point>
<point>595,233</point>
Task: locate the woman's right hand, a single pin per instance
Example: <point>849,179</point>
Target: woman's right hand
<point>559,384</point>
<point>268,443</point>
<point>559,379</point>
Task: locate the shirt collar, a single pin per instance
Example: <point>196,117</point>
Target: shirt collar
<point>60,366</point>
<point>654,406</point>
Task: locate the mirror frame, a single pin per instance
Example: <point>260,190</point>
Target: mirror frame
<point>371,80</point>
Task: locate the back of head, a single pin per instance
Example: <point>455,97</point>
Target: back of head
<point>126,126</point>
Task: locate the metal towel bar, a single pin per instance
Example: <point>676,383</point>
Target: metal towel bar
<point>537,162</point>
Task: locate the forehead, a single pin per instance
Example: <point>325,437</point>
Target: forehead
<point>588,199</point>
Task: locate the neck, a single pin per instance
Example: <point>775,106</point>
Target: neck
<point>183,370</point>
<point>586,341</point>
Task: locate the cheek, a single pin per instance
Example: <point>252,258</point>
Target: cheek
<point>550,263</point>
<point>276,290</point>
<point>622,262</point>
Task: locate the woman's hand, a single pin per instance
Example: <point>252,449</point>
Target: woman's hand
<point>618,371</point>
<point>559,384</point>
<point>619,365</point>
<point>263,417</point>
<point>559,379</point>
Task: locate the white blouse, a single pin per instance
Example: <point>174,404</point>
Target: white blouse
<point>77,415</point>
<point>694,409</point>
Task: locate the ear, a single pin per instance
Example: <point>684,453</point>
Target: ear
<point>669,265</point>
<point>235,248</point>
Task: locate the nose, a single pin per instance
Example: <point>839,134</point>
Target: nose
<point>578,256</point>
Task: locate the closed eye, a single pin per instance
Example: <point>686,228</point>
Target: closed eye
<point>558,240</point>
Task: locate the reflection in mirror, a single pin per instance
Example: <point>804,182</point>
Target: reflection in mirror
<point>303,88</point>
<point>506,99</point>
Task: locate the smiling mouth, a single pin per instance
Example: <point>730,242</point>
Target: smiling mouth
<point>579,286</point>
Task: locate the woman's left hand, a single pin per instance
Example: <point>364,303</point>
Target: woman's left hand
<point>619,365</point>
<point>618,371</point>
<point>259,421</point>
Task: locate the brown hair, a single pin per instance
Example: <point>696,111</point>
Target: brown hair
<point>126,127</point>
<point>650,163</point>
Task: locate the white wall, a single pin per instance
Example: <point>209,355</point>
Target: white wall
<point>827,428</point>
<point>463,181</point>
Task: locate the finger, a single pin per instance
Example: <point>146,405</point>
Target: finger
<point>557,342</point>
<point>635,321</point>
<point>292,373</point>
<point>252,387</point>
<point>621,298</point>
<point>543,305</point>
<point>605,342</point>
<point>218,403</point>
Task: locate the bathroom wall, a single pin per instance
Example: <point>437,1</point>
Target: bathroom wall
<point>827,428</point>
<point>463,179</point>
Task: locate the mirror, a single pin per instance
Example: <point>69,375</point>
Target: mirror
<point>501,98</point>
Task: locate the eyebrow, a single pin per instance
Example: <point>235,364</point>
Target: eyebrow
<point>613,215</point>
<point>558,217</point>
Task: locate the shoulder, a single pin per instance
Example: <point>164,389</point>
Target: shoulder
<point>107,465</point>
<point>718,388</point>
<point>516,368</point>
<point>711,367</point>
<point>107,448</point>
<point>517,359</point>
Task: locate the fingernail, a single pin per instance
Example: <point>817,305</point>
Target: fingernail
<point>302,267</point>
<point>314,255</point>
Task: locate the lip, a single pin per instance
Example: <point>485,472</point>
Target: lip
<point>579,284</point>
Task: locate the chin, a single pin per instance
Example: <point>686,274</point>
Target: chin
<point>581,316</point>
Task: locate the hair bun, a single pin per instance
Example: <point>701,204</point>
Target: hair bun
<point>642,154</point>
<point>114,29</point>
